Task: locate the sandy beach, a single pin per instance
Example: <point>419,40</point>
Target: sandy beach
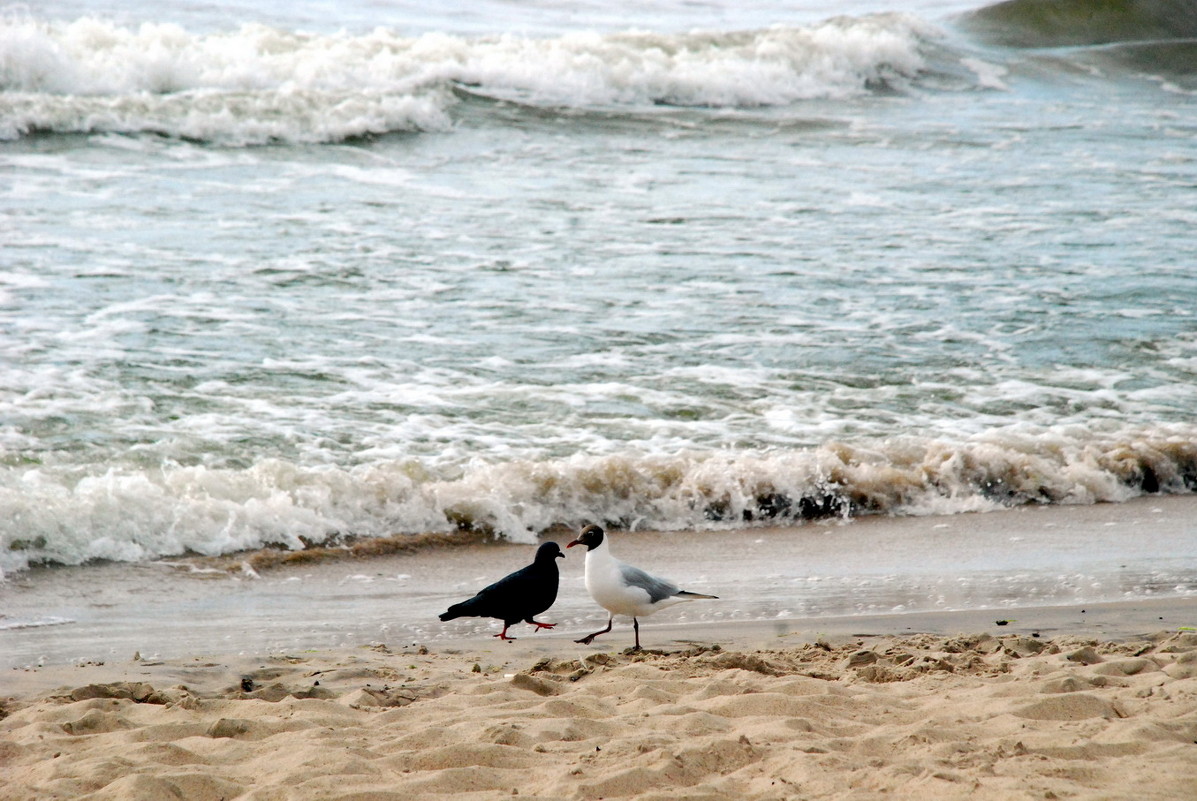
<point>977,715</point>
<point>872,326</point>
<point>193,680</point>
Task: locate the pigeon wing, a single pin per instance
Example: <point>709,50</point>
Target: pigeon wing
<point>524,593</point>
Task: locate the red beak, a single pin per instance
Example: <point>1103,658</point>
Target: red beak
<point>572,544</point>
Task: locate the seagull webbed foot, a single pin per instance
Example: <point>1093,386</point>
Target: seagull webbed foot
<point>590,637</point>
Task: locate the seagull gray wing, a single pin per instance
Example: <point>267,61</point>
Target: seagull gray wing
<point>658,589</point>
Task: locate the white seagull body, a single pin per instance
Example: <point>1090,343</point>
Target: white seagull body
<point>622,589</point>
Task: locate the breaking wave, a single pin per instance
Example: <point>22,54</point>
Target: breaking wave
<point>257,85</point>
<point>132,516</point>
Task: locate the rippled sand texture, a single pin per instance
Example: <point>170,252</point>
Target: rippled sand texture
<point>971,716</point>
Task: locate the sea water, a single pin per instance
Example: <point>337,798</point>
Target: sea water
<point>284,273</point>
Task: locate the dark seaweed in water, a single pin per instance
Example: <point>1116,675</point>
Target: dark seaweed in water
<point>1177,474</point>
<point>856,483</point>
<point>778,506</point>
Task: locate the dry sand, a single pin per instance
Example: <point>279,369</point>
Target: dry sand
<point>989,715</point>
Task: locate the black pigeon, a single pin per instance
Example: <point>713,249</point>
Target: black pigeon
<point>518,596</point>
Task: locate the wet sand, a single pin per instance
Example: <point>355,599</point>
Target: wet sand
<point>1060,559</point>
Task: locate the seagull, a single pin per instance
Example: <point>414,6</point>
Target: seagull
<point>622,589</point>
<point>518,596</point>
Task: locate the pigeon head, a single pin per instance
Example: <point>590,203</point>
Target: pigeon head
<point>548,551</point>
<point>591,537</point>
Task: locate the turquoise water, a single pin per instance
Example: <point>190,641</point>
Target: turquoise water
<point>275,273</point>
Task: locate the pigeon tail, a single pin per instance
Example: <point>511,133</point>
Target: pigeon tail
<point>463,609</point>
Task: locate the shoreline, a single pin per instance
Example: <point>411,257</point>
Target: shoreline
<point>335,682</point>
<point>1111,622</point>
<point>983,566</point>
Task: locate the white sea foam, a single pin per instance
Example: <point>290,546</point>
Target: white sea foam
<point>258,84</point>
<point>989,76</point>
<point>36,623</point>
<point>580,303</point>
<point>132,515</point>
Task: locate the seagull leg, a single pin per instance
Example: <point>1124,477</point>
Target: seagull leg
<point>636,628</point>
<point>589,637</point>
<point>502,635</point>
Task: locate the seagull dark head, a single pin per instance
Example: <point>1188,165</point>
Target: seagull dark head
<point>591,537</point>
<point>547,552</point>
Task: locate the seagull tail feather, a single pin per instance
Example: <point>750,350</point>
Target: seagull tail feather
<point>694,596</point>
